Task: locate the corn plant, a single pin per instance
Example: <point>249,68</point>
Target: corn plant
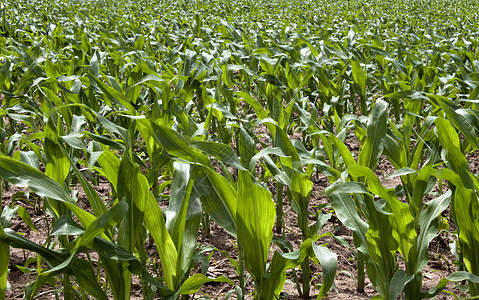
<point>211,107</point>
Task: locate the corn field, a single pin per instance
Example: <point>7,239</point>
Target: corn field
<point>217,115</point>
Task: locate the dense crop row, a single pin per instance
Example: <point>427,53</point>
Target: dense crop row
<point>198,103</point>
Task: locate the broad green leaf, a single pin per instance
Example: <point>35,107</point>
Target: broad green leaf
<point>155,224</point>
<point>174,143</point>
<point>110,218</point>
<point>398,282</point>
<point>273,282</point>
<point>222,152</point>
<point>372,147</point>
<point>97,204</point>
<point>58,165</point>
<point>255,218</point>
<point>247,149</point>
<point>359,75</point>
<point>23,175</point>
<point>344,151</point>
<point>466,206</point>
<point>400,172</point>
<point>450,141</point>
<point>428,224</point>
<point>403,222</point>
<point>459,121</point>
<point>195,282</point>
<point>301,188</point>
<point>219,199</point>
<point>346,212</point>
<point>114,96</point>
<point>282,141</point>
<point>133,189</point>
<point>409,94</point>
<point>65,225</point>
<point>4,261</point>
<point>111,251</point>
<point>261,113</point>
<point>183,216</point>
<point>23,213</point>
<point>395,152</point>
<point>82,270</point>
<point>94,65</point>
<point>329,264</point>
<point>110,165</point>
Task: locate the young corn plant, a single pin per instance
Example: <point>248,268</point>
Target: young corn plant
<point>463,185</point>
<point>4,260</point>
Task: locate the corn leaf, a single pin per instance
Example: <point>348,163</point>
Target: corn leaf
<point>23,175</point>
<point>372,147</point>
<point>255,220</point>
<point>4,261</point>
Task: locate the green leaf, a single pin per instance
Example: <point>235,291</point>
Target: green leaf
<point>372,147</point>
<point>183,216</point>
<point>282,141</point>
<point>155,224</point>
<point>359,75</point>
<point>273,282</point>
<point>247,148</point>
<point>398,283</point>
<point>23,213</point>
<point>195,282</point>
<point>428,223</point>
<point>65,225</point>
<point>58,165</point>
<point>94,65</point>
<point>346,212</point>
<point>110,218</point>
<point>132,189</point>
<point>112,94</point>
<point>111,251</point>
<point>344,151</point>
<point>219,199</point>
<point>174,143</point>
<point>261,113</point>
<point>466,207</point>
<point>301,188</point>
<point>400,172</point>
<point>460,122</point>
<point>461,275</point>
<point>110,165</point>
<point>456,160</point>
<point>329,264</point>
<point>403,222</point>
<point>222,152</point>
<point>97,204</point>
<point>4,261</point>
<point>255,219</point>
<point>23,175</point>
<point>409,94</point>
<point>81,269</point>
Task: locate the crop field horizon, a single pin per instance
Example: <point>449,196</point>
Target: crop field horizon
<point>215,149</point>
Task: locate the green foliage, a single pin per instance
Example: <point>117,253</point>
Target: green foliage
<point>212,108</point>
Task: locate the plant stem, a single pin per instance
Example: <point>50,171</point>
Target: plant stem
<point>364,105</point>
<point>296,281</point>
<point>241,270</point>
<point>361,275</point>
<point>206,223</point>
<point>279,208</point>
<point>305,278</point>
